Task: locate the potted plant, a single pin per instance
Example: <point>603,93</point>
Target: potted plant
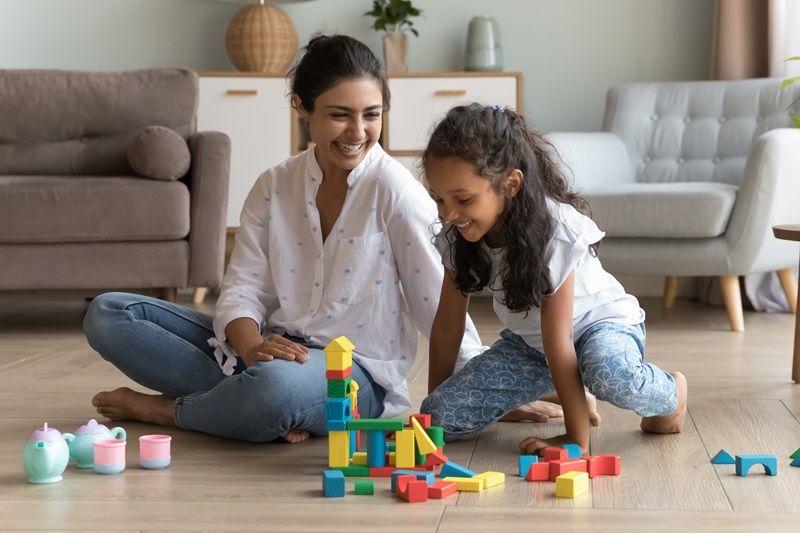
<point>791,81</point>
<point>394,18</point>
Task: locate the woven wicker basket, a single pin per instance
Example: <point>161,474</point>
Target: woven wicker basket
<point>261,38</point>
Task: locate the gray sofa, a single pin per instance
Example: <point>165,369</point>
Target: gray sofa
<point>688,178</point>
<point>73,212</point>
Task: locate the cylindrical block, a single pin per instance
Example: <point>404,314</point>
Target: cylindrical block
<point>376,449</point>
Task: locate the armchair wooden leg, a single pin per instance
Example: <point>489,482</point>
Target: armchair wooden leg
<point>670,290</point>
<point>789,285</point>
<point>200,294</point>
<point>169,294</point>
<point>733,301</point>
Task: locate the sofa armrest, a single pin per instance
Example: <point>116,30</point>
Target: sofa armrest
<point>592,160</point>
<point>208,187</point>
<point>769,195</point>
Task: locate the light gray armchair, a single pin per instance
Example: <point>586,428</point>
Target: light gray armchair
<point>688,178</point>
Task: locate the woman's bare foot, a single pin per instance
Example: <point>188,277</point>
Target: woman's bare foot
<point>126,404</point>
<point>293,436</point>
<point>539,412</point>
<point>673,422</point>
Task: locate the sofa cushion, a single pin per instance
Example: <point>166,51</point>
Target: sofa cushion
<point>49,209</point>
<point>159,153</point>
<point>663,210</point>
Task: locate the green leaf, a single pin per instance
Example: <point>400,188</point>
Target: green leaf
<point>796,120</point>
<point>790,81</point>
<point>793,58</point>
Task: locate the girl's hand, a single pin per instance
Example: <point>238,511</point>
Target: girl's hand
<point>536,446</point>
<point>275,347</point>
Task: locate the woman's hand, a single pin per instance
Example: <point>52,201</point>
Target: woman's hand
<point>275,347</point>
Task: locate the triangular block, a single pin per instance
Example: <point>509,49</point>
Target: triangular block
<point>795,462</point>
<point>796,454</point>
<point>723,457</point>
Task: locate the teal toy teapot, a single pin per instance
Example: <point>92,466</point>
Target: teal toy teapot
<point>81,446</point>
<point>46,455</point>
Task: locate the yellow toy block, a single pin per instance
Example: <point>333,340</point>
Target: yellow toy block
<point>353,395</point>
<point>340,344</point>
<point>467,484</point>
<point>392,458</point>
<point>338,360</point>
<point>491,479</point>
<point>338,448</point>
<point>404,448</point>
<point>572,484</point>
<point>360,458</point>
<point>424,442</point>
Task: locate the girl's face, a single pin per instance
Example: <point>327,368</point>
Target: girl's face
<point>345,124</point>
<point>467,199</point>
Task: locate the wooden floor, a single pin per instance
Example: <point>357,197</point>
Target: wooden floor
<point>741,399</point>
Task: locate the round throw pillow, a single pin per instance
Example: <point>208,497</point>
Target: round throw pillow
<point>159,153</point>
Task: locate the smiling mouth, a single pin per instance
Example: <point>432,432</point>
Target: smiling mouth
<point>463,226</point>
<point>351,148</point>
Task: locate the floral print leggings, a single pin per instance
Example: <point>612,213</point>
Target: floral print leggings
<point>512,373</point>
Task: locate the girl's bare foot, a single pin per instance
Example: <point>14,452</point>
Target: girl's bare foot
<point>538,411</point>
<point>126,404</point>
<point>293,436</point>
<point>673,422</point>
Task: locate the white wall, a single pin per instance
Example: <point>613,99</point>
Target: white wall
<point>570,51</point>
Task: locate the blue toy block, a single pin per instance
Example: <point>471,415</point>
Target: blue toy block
<point>337,425</point>
<point>795,462</point>
<point>723,457</point>
<point>573,451</point>
<point>353,442</point>
<point>744,462</point>
<point>376,449</point>
<point>427,477</point>
<point>338,409</point>
<point>525,462</point>
<point>451,469</point>
<point>333,484</point>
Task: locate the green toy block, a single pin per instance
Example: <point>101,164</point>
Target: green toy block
<point>380,424</point>
<point>339,388</point>
<point>353,471</point>
<point>796,454</point>
<point>436,433</point>
<point>365,487</point>
<point>391,446</point>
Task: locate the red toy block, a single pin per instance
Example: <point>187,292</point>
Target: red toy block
<point>562,466</point>
<point>338,374</point>
<point>435,458</point>
<point>602,465</point>
<point>538,472</point>
<point>553,453</point>
<point>381,471</point>
<point>424,420</point>
<point>412,490</point>
<point>442,489</point>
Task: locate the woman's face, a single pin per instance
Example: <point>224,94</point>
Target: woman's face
<point>345,123</point>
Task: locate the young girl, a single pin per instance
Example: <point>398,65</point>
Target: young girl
<point>510,223</point>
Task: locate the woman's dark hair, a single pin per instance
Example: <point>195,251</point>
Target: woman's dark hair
<point>329,59</point>
<point>496,140</point>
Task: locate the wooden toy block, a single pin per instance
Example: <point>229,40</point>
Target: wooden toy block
<point>360,459</point>
<point>423,419</point>
<point>332,484</point>
<point>451,469</point>
<point>385,471</point>
<point>554,453</point>
<point>723,457</point>
<point>795,454</point>
<point>405,448</point>
<point>467,484</point>
<point>353,443</point>
<point>353,395</point>
<point>378,424</point>
<point>435,459</point>
<point>365,487</point>
<point>572,484</point>
<point>391,458</point>
<point>339,388</point>
<point>424,442</point>
<point>353,471</point>
<point>795,462</point>
<point>338,374</point>
<point>562,466</point>
<point>744,462</point>
<point>376,449</point>
<point>538,472</point>
<point>390,446</point>
<point>413,491</point>
<point>340,344</point>
<point>336,425</point>
<point>424,476</point>
<point>338,409</point>
<point>573,450</point>
<point>491,479</point>
<point>525,462</point>
<point>338,360</point>
<point>602,465</point>
<point>358,440</point>
<point>442,489</point>
<point>338,448</point>
<point>419,458</point>
<point>436,433</point>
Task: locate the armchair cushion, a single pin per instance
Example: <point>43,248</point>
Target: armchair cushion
<point>159,153</point>
<point>663,210</point>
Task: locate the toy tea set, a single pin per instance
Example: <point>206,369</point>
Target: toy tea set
<point>93,445</point>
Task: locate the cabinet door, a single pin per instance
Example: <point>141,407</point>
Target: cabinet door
<point>255,113</point>
<point>419,102</point>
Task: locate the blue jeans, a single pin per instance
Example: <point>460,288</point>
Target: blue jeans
<point>511,373</point>
<point>163,346</point>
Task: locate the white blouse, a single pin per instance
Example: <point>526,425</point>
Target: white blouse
<point>376,278</point>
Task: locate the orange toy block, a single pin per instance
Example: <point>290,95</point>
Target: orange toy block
<point>339,374</point>
<point>562,466</point>
<point>538,472</point>
<point>442,489</point>
<point>424,420</point>
<point>554,453</point>
<point>602,465</point>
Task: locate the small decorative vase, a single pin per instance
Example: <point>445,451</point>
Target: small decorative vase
<point>484,49</point>
<point>395,52</point>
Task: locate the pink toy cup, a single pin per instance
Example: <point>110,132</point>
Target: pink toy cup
<point>154,451</point>
<point>109,456</point>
